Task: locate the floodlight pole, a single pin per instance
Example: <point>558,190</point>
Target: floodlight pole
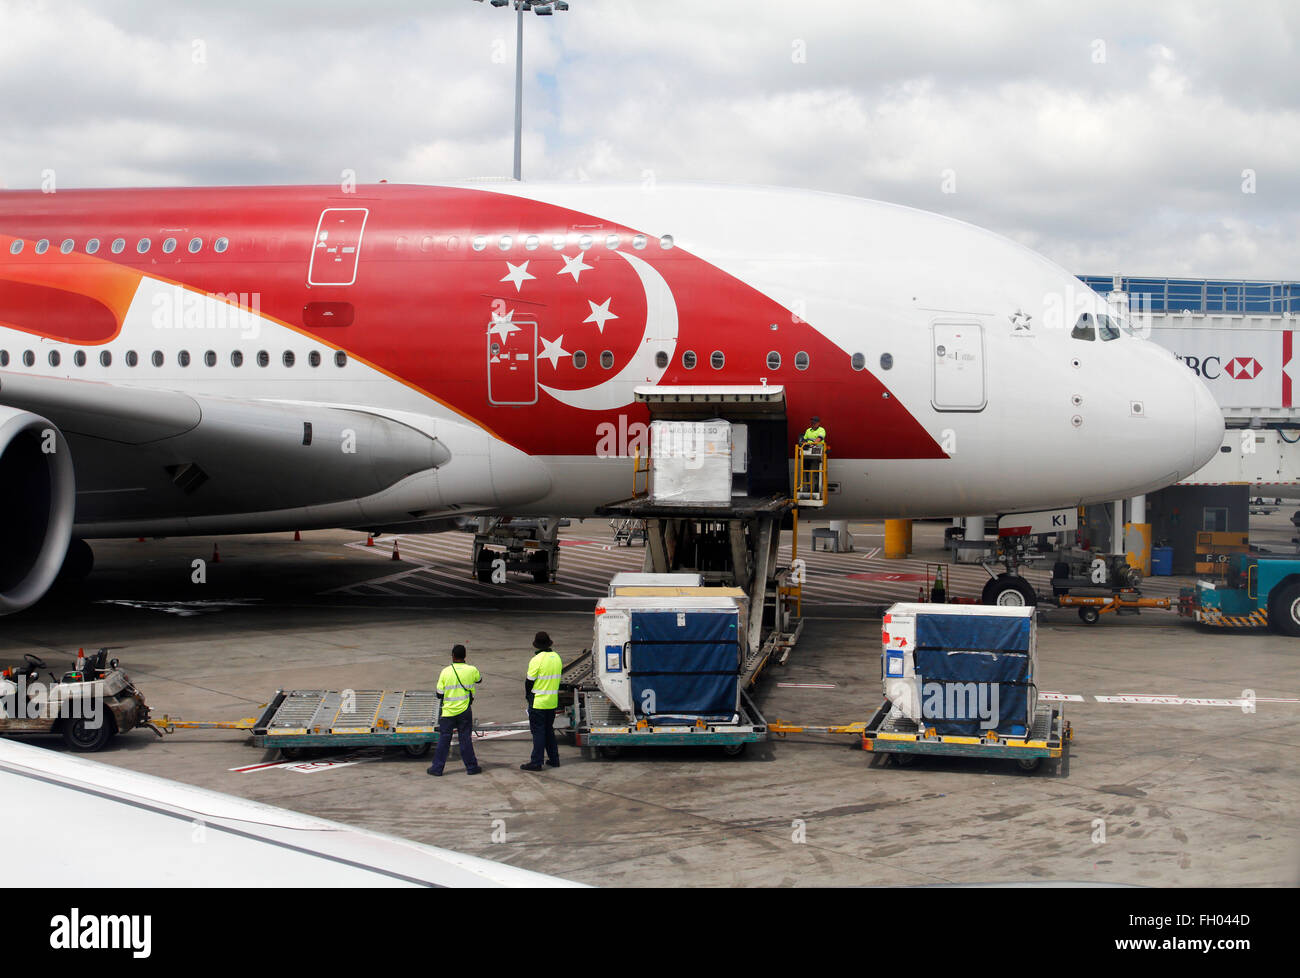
<point>519,90</point>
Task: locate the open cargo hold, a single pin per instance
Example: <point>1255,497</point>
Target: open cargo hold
<point>961,670</point>
<point>691,463</point>
<point>670,659</point>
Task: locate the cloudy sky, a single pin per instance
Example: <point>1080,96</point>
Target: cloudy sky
<point>1113,139</point>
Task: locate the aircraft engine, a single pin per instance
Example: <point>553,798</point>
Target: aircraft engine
<point>37,504</point>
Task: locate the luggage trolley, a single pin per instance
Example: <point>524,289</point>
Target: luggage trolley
<point>302,718</point>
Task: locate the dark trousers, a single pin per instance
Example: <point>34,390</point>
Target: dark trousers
<point>541,723</point>
<point>462,724</point>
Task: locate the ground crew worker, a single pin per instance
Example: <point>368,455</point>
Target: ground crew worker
<point>815,434</point>
<point>456,690</point>
<point>812,444</point>
<point>542,688</point>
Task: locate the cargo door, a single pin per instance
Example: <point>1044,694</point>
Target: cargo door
<point>685,662</point>
<point>958,354</point>
<point>512,362</point>
<point>337,246</point>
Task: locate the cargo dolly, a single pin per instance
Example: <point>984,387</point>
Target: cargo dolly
<point>599,724</point>
<point>302,718</point>
<point>1048,737</point>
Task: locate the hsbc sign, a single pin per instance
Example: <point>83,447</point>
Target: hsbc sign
<point>1244,368</point>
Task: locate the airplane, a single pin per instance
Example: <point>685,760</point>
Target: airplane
<point>151,831</point>
<point>193,361</point>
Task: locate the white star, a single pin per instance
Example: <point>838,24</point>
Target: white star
<point>553,350</point>
<point>600,313</point>
<point>503,325</point>
<point>573,266</point>
<point>517,275</point>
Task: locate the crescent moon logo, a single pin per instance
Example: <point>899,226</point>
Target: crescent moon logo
<point>660,334</point>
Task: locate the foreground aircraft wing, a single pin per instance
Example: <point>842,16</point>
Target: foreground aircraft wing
<point>149,831</point>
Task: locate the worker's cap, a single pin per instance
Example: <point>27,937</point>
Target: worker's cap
<point>541,641</point>
<point>815,418</point>
<point>458,651</point>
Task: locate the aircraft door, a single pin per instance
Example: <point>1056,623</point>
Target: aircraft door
<point>958,353</point>
<point>512,362</point>
<point>337,246</point>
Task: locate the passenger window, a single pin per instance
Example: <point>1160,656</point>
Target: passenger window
<point>16,247</point>
<point>263,358</point>
<point>54,358</point>
<point>4,358</point>
<point>688,359</point>
<point>221,245</point>
<point>29,358</point>
<point>79,358</point>
<point>579,359</point>
<point>717,360</point>
<point>1084,329</point>
<point>195,245</point>
<point>105,358</point>
<point>132,358</point>
<point>340,358</point>
<point>661,359</point>
<point>119,245</point>
<point>157,358</point>
<point>92,246</point>
<point>236,358</point>
<point>67,246</point>
<point>183,358</point>
<point>801,361</point>
<point>607,359</point>
<point>42,246</point>
<point>313,358</point>
<point>143,245</point>
<point>858,361</point>
<point>288,358</point>
<point>774,361</point>
<point>210,358</point>
<point>169,246</point>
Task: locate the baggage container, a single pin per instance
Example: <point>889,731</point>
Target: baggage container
<point>670,659</point>
<point>961,670</point>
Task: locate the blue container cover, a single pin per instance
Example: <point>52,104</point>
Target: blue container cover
<point>689,660</point>
<point>946,668</point>
<point>992,633</point>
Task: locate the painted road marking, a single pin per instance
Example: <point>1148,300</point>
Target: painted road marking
<point>1061,697</point>
<point>1170,700</point>
<point>808,685</point>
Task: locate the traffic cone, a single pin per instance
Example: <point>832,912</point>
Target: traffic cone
<point>370,539</point>
<point>297,536</point>
<point>396,555</point>
<point>216,554</point>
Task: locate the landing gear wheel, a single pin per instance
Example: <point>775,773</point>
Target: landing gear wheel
<point>85,739</point>
<point>1029,764</point>
<point>1009,591</point>
<point>1284,610</point>
<point>1089,615</point>
<point>416,750</point>
<point>734,750</point>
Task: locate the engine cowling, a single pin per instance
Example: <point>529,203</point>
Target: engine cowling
<point>38,501</point>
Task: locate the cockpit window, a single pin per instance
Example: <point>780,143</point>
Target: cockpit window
<point>1091,325</point>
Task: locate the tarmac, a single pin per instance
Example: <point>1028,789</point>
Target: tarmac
<point>1156,790</point>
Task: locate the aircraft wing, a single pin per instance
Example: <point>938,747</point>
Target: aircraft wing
<point>143,830</point>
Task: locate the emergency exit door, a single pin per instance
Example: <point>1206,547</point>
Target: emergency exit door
<point>957,350</point>
<point>512,363</point>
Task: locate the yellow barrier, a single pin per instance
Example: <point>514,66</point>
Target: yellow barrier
<point>898,539</point>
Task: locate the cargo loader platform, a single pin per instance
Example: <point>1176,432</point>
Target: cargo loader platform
<point>300,718</point>
<point>1048,738</point>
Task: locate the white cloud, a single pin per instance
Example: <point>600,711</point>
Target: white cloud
<point>1132,163</point>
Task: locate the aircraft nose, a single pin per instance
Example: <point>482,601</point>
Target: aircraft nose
<point>1208,436</point>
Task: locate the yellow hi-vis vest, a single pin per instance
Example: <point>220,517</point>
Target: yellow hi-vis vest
<point>815,434</point>
<point>456,684</point>
<point>544,670</point>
